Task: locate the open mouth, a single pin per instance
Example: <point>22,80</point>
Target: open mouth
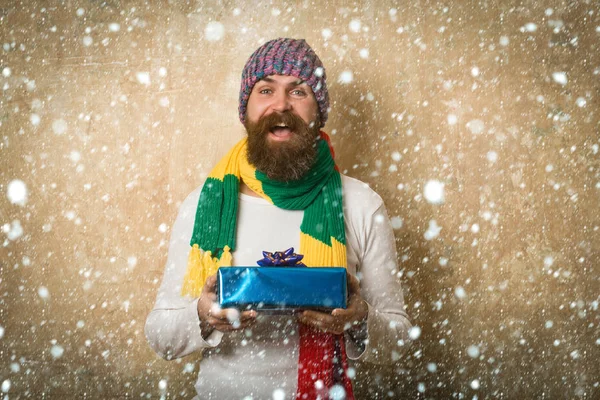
<point>280,132</point>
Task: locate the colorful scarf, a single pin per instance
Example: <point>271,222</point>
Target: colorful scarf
<point>322,242</point>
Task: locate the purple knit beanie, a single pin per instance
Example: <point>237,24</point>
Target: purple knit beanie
<point>285,56</point>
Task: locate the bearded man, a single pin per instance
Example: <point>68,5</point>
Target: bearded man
<point>279,188</point>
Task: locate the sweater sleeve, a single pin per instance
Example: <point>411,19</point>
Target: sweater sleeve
<point>173,326</point>
<point>387,322</point>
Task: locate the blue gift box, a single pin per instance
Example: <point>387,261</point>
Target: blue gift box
<point>282,288</point>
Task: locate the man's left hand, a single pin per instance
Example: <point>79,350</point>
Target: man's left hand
<point>340,319</point>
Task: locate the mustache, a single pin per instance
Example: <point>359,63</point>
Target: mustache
<point>287,118</point>
<point>285,161</point>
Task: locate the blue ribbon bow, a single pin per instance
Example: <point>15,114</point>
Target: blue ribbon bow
<point>281,259</point>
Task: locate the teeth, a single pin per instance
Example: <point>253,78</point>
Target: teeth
<point>281,125</point>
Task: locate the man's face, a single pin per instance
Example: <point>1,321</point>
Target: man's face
<point>282,120</point>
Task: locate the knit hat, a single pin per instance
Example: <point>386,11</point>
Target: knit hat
<point>285,56</point>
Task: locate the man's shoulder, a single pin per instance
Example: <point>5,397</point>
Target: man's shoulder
<point>194,195</point>
<point>359,195</point>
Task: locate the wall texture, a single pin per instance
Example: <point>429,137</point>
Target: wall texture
<point>477,122</point>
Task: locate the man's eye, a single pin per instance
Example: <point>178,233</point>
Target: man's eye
<point>264,91</point>
<point>298,92</point>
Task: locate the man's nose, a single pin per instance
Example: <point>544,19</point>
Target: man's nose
<point>281,102</point>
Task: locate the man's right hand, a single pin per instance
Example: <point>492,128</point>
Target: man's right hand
<point>213,317</point>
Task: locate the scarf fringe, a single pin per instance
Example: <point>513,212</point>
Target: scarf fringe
<point>201,265</point>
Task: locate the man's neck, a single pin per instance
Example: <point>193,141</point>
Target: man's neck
<point>246,190</point>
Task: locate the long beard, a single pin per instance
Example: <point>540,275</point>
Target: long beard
<point>283,161</point>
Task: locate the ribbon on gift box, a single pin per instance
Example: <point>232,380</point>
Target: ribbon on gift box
<point>285,258</point>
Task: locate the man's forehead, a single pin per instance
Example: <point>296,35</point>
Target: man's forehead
<point>283,79</point>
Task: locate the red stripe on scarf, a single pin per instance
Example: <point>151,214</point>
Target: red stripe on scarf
<point>317,361</point>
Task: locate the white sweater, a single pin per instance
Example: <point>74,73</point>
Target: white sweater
<point>252,364</point>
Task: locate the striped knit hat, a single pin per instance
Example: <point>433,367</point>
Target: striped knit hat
<point>285,56</point>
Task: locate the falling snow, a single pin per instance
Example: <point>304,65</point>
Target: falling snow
<point>112,113</point>
<point>278,394</point>
<point>460,292</point>
<point>433,230</point>
<point>434,192</point>
<point>162,385</point>
<point>14,230</point>
<point>114,27</point>
<point>345,77</point>
<point>414,333</point>
<point>473,351</point>
<point>476,126</point>
<point>143,77</point>
<point>492,156</point>
<point>337,392</point>
<point>214,31</point>
<point>560,77</point>
<point>35,119</point>
<point>43,293</point>
<point>355,25</point>
<point>397,222</point>
<point>57,351</point>
<point>17,192</point>
<point>59,126</point>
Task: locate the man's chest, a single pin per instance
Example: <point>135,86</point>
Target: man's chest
<point>264,227</point>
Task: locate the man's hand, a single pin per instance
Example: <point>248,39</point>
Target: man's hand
<point>213,317</point>
<point>340,319</point>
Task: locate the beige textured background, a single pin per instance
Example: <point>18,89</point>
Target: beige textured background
<point>110,129</point>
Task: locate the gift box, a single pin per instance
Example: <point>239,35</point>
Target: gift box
<point>282,289</point>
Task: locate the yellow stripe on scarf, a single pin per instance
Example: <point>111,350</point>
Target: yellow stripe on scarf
<point>248,175</point>
<point>318,254</point>
<point>229,164</point>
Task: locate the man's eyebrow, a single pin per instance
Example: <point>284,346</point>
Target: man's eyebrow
<point>271,80</point>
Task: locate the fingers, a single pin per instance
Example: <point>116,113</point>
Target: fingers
<point>231,314</point>
<point>248,315</point>
<point>337,322</point>
<point>209,291</point>
<point>230,319</point>
<point>226,326</point>
<point>341,312</point>
<point>211,284</point>
<point>211,297</point>
<point>224,320</point>
<point>317,316</point>
<point>322,321</point>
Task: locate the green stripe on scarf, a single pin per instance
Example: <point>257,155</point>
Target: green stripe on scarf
<point>318,193</point>
<point>216,215</point>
